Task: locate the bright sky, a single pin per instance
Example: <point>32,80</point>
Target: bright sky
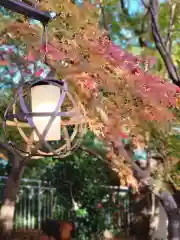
<point>136,6</point>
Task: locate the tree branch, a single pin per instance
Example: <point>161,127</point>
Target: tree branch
<point>123,7</point>
<point>12,154</point>
<point>171,26</point>
<point>137,31</point>
<point>105,24</point>
<point>160,45</point>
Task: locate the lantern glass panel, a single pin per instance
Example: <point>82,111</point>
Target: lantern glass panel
<point>44,99</point>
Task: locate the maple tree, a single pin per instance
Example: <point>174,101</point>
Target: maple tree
<point>108,81</point>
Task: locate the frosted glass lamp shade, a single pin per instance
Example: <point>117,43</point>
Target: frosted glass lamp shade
<point>44,99</point>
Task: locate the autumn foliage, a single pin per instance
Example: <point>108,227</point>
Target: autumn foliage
<point>109,82</point>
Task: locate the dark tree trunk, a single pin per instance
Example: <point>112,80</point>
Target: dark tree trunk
<point>160,44</point>
<point>140,211</point>
<point>9,198</point>
<point>173,214</point>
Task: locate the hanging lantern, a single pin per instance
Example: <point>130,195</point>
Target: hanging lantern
<point>47,117</point>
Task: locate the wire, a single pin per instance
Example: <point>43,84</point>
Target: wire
<point>44,41</point>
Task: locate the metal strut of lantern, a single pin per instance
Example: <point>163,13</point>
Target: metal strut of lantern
<point>47,117</point>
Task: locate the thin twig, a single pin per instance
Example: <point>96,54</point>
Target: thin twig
<point>171,26</point>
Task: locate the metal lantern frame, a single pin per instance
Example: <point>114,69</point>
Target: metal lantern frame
<point>24,119</point>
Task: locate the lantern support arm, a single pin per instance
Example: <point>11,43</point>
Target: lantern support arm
<point>27,10</point>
